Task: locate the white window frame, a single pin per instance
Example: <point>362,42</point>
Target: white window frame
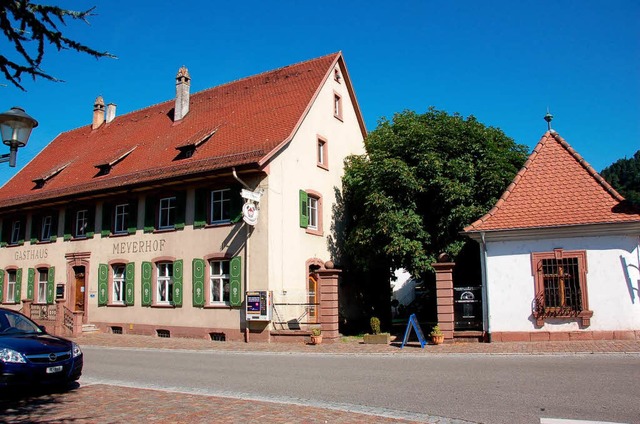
<point>45,228</point>
<point>220,206</point>
<point>118,291</point>
<point>82,222</point>
<point>337,105</point>
<point>167,213</point>
<point>312,213</point>
<point>219,278</point>
<point>42,284</point>
<point>11,286</point>
<point>164,283</point>
<point>121,218</point>
<point>15,231</point>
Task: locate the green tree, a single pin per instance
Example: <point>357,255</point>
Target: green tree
<point>423,179</point>
<point>624,176</point>
<point>29,27</point>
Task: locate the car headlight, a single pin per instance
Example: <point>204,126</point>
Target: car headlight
<point>75,349</point>
<point>11,356</point>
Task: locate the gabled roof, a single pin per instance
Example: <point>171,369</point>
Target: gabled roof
<point>242,123</point>
<point>555,188</point>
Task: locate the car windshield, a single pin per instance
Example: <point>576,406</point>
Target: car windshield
<point>12,323</point>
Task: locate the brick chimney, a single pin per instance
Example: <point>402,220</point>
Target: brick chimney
<point>111,112</point>
<point>98,113</point>
<point>183,83</point>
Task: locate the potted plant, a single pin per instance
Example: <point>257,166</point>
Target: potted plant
<point>437,337</point>
<point>377,337</point>
<point>316,335</point>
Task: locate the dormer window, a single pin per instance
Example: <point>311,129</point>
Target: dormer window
<point>104,168</point>
<point>188,148</point>
<point>40,181</point>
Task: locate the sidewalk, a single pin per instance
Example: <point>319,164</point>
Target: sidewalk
<point>353,345</point>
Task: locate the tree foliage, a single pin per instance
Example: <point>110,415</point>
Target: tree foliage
<point>624,176</point>
<point>423,179</point>
<point>29,27</point>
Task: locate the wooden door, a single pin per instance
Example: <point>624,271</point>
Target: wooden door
<point>80,291</point>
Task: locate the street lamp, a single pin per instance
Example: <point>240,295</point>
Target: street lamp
<point>15,127</point>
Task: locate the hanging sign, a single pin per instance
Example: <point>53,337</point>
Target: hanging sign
<point>413,322</point>
<point>250,213</point>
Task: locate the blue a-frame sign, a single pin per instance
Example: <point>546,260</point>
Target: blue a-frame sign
<point>413,322</point>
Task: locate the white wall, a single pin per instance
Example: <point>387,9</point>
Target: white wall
<point>613,291</point>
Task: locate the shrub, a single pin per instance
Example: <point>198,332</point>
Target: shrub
<point>375,325</point>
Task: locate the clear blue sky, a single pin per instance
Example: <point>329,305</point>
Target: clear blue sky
<point>503,61</point>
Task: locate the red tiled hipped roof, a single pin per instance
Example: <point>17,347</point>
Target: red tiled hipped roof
<point>556,187</point>
<point>249,118</point>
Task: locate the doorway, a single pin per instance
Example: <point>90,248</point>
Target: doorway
<point>79,289</point>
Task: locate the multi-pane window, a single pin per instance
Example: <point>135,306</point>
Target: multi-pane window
<point>82,222</point>
<point>45,230</point>
<point>165,282</point>
<point>118,284</point>
<point>219,271</point>
<point>11,286</point>
<point>15,231</point>
<point>313,213</point>
<point>220,206</point>
<point>560,284</point>
<point>43,277</point>
<point>167,213</point>
<point>121,218</point>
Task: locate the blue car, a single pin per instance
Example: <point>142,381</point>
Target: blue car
<point>29,356</point>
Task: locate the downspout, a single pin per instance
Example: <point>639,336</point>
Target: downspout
<point>246,257</point>
<point>486,325</point>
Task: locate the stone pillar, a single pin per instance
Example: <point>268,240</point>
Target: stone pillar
<point>26,307</point>
<point>444,296</point>
<point>328,300</point>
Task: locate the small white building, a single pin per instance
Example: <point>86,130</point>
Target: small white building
<point>560,253</point>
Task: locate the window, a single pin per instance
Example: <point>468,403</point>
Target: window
<point>321,149</point>
<point>121,219</point>
<point>43,278</point>
<point>311,211</point>
<point>219,272</point>
<point>337,106</point>
<point>336,75</point>
<point>560,286</point>
<point>312,298</point>
<point>45,231</point>
<point>165,283</point>
<point>220,206</point>
<point>82,222</point>
<point>15,231</point>
<point>11,286</point>
<point>167,213</point>
<point>118,295</point>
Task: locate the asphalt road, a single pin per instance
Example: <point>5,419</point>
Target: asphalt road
<point>479,388</point>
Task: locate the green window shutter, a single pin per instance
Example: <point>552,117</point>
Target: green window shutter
<point>55,216</point>
<point>103,284</point>
<point>91,221</point>
<point>129,286</point>
<point>51,284</point>
<point>23,231</point>
<point>2,272</point>
<point>198,281</point>
<point>31,278</point>
<point>18,296</point>
<point>147,273</point>
<point>181,206</point>
<point>107,219</point>
<point>149,214</point>
<point>4,230</point>
<point>235,281</point>
<point>177,282</point>
<point>200,210</point>
<point>304,209</point>
<point>236,203</point>
<point>68,227</point>
<point>132,223</point>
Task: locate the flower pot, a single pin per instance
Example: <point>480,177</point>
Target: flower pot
<point>437,339</point>
<point>316,339</point>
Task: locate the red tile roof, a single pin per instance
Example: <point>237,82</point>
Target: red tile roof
<point>249,118</point>
<point>556,187</point>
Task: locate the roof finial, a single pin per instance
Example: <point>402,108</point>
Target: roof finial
<point>548,117</point>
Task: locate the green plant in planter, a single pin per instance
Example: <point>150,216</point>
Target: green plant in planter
<point>375,325</point>
<point>435,331</point>
<point>316,331</point>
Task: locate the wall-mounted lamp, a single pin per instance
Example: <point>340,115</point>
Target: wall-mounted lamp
<point>15,127</point>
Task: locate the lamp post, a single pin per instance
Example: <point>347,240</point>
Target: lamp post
<point>15,127</point>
